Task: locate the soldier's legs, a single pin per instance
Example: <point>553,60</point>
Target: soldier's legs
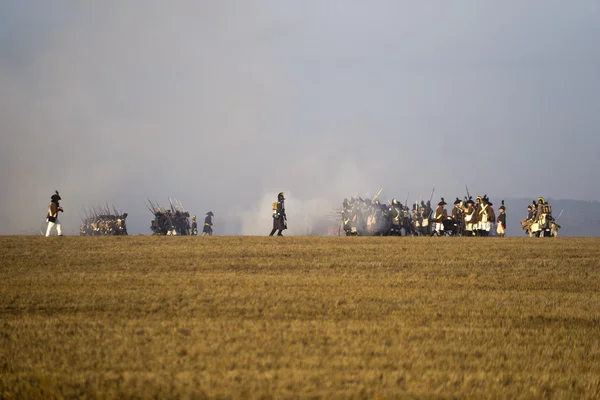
<point>49,228</point>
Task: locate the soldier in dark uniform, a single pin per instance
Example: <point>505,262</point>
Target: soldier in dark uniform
<point>501,221</point>
<point>279,217</point>
<point>194,227</point>
<point>457,217</point>
<point>208,224</point>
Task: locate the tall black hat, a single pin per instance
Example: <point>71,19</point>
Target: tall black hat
<point>210,213</point>
<point>457,201</point>
<point>470,201</point>
<point>281,196</point>
<point>442,203</point>
<point>502,206</point>
<point>55,197</point>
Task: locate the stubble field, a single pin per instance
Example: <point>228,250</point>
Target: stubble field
<point>231,317</point>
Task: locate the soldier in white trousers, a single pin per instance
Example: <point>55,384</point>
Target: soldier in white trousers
<point>52,218</point>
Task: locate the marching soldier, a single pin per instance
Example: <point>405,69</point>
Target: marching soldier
<point>425,218</point>
<point>279,217</point>
<point>52,217</point>
<point>439,216</point>
<point>501,221</point>
<point>208,224</point>
<point>194,227</point>
<point>415,220</point>
<point>543,216</point>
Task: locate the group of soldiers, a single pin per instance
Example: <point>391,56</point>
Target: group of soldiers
<point>175,220</point>
<point>102,221</point>
<point>359,217</point>
<point>468,217</point>
<point>105,224</point>
<point>539,221</point>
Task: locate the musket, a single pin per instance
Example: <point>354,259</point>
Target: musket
<point>377,195</point>
<point>561,211</point>
<point>431,197</point>
<point>468,194</point>
<point>406,201</point>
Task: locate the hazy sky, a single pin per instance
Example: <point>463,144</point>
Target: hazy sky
<point>222,104</point>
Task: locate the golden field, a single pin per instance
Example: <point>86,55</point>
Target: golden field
<point>269,317</point>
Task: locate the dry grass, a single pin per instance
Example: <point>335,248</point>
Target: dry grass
<point>299,317</point>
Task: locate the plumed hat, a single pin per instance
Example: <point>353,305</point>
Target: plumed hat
<point>442,203</point>
<point>55,197</point>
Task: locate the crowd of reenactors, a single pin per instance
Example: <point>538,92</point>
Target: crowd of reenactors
<point>539,221</point>
<point>175,220</point>
<point>102,221</point>
<point>467,217</point>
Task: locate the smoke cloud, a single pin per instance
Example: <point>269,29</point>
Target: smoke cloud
<point>224,104</point>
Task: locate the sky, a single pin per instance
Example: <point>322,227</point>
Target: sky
<point>222,105</point>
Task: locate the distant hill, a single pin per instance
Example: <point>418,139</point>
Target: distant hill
<point>579,218</point>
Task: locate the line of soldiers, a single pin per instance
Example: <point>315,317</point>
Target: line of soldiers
<point>168,223</point>
<point>101,220</point>
<point>366,217</point>
<point>539,221</point>
<point>175,220</point>
<point>104,225</point>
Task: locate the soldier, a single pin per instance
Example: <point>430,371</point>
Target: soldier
<point>485,214</point>
<point>415,220</point>
<point>52,217</point>
<point>396,214</point>
<point>279,217</point>
<point>501,220</point>
<point>194,226</point>
<point>457,216</point>
<point>439,216</point>
<point>470,218</point>
<point>534,226</point>
<point>208,224</point>
<point>544,216</point>
<point>425,218</point>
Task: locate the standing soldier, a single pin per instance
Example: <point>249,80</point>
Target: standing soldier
<point>501,221</point>
<point>415,220</point>
<point>470,217</point>
<point>439,216</point>
<point>425,217</point>
<point>52,217</point>
<point>279,217</point>
<point>194,226</point>
<point>485,214</point>
<point>457,216</point>
<point>208,224</point>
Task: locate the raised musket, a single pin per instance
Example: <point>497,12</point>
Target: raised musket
<point>431,197</point>
<point>377,195</point>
